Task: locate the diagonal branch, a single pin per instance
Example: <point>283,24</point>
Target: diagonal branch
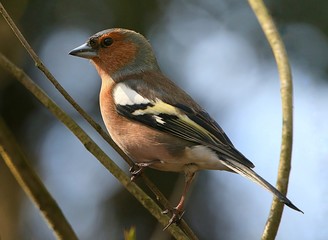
<point>158,194</point>
<point>91,146</point>
<point>286,91</point>
<point>32,185</point>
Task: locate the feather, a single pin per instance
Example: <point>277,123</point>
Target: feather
<point>253,176</point>
<point>178,120</point>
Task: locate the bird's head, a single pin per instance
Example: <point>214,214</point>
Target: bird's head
<point>118,52</point>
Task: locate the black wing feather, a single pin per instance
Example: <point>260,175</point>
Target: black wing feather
<point>216,140</point>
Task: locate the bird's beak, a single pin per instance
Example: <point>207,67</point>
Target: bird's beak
<point>84,51</point>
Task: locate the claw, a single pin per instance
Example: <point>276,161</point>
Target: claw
<point>165,211</point>
<point>135,171</point>
<point>137,168</point>
<point>176,216</point>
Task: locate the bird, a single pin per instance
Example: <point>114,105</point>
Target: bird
<point>155,122</point>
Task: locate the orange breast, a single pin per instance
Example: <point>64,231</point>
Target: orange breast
<point>142,143</point>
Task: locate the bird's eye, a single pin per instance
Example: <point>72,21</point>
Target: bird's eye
<point>107,42</point>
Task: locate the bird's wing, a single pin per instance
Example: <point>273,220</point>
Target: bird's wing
<point>176,119</point>
<point>191,124</point>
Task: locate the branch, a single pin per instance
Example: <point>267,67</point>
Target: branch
<point>91,146</point>
<point>159,196</point>
<point>32,185</point>
<point>46,72</point>
<point>286,91</point>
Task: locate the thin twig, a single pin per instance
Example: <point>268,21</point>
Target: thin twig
<point>286,91</point>
<point>32,185</point>
<point>91,146</point>
<point>57,85</point>
<point>158,194</point>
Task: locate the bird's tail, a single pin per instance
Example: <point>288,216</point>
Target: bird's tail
<point>250,174</point>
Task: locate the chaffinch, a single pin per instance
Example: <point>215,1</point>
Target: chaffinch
<point>154,121</point>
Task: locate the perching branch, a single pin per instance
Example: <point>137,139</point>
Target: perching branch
<point>286,91</point>
<point>32,185</point>
<point>91,146</point>
<point>63,92</point>
<point>159,196</point>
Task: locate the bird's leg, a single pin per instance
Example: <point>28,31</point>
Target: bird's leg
<point>137,168</point>
<point>178,211</point>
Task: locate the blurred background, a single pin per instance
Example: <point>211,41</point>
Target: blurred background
<point>217,52</point>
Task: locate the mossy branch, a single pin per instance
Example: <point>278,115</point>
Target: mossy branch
<point>286,91</point>
<point>91,146</point>
<point>32,185</point>
<point>159,196</point>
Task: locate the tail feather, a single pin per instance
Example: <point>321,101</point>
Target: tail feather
<point>250,174</point>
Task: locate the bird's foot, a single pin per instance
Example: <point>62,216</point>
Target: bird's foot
<point>177,215</point>
<point>135,171</point>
